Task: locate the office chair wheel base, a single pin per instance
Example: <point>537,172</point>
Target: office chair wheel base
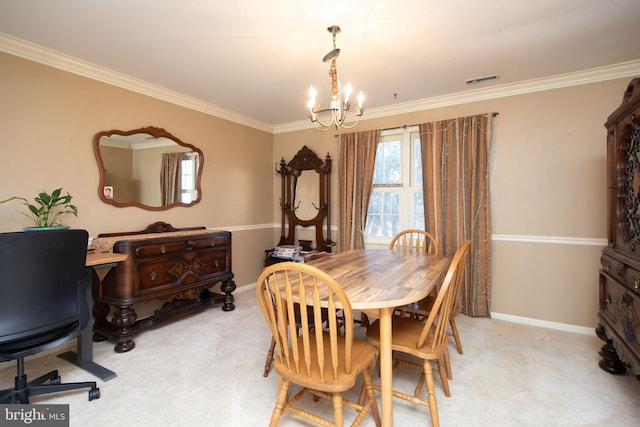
<point>94,393</point>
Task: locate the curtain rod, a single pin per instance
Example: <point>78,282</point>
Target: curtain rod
<point>493,114</point>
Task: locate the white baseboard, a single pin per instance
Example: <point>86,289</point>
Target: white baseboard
<point>244,288</point>
<point>544,323</point>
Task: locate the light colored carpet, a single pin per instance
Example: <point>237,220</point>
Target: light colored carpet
<point>206,370</point>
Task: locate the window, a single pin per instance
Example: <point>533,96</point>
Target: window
<point>188,168</point>
<point>396,198</point>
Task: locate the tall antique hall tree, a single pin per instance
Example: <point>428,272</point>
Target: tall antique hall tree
<point>305,201</point>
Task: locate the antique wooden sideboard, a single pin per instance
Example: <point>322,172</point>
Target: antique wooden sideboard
<point>619,297</point>
<point>176,265</point>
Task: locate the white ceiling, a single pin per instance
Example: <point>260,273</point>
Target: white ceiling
<point>257,58</point>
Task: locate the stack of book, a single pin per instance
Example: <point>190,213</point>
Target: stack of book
<point>288,252</point>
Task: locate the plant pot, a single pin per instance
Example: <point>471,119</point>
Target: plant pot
<point>57,227</point>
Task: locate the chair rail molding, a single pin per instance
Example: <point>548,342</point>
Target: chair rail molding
<point>560,240</point>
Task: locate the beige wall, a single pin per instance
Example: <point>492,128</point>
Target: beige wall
<point>547,183</point>
<point>548,187</point>
<point>49,118</point>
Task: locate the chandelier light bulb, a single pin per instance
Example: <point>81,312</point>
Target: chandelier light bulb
<point>347,93</point>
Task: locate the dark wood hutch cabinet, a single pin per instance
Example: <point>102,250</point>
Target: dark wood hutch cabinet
<point>619,296</point>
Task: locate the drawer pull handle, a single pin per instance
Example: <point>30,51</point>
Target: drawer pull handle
<point>636,283</point>
<point>163,249</point>
<point>153,275</point>
<point>217,263</point>
<point>608,300</point>
<point>213,244</point>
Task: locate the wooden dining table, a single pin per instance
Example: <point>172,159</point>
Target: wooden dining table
<point>377,281</point>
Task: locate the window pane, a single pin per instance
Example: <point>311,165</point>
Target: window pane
<point>418,211</point>
<point>417,160</point>
<point>388,163</point>
<point>383,217</point>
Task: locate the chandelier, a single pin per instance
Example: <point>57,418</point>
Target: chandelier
<point>340,102</point>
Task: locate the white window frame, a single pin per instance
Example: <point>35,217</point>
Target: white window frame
<point>407,188</point>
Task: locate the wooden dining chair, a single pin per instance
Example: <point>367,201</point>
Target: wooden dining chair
<point>272,347</point>
<point>422,308</point>
<point>415,240</point>
<point>428,340</point>
<point>322,361</point>
<point>409,240</point>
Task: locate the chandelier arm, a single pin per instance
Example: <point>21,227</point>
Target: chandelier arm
<point>321,127</point>
<point>352,125</point>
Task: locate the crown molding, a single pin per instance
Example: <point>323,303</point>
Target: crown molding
<point>52,58</point>
<point>593,75</point>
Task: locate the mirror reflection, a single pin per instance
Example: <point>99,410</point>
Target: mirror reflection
<point>306,194</point>
<point>148,168</point>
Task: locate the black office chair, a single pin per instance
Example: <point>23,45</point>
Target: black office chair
<point>43,304</point>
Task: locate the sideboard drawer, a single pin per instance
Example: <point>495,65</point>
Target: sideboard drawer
<point>155,274</point>
<point>160,248</point>
<point>212,242</point>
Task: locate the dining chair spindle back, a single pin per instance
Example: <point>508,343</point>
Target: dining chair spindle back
<point>325,360</point>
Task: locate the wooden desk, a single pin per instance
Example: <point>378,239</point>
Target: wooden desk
<point>381,279</point>
<point>101,263</point>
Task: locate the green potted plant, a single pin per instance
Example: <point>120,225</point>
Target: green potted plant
<point>47,209</point>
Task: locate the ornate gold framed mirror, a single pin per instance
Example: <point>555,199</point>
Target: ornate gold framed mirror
<point>149,168</point>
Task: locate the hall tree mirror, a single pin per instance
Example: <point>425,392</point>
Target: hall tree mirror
<point>306,193</point>
<point>149,168</point>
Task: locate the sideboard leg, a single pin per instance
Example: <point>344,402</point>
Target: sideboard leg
<point>610,361</point>
<point>123,347</point>
<point>227,287</point>
<point>124,321</point>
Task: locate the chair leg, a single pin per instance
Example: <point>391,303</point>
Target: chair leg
<point>269,361</point>
<point>338,410</point>
<point>44,384</point>
<point>456,336</point>
<point>443,376</point>
<point>447,364</point>
<point>364,320</point>
<point>366,375</point>
<point>283,390</point>
<point>431,393</point>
